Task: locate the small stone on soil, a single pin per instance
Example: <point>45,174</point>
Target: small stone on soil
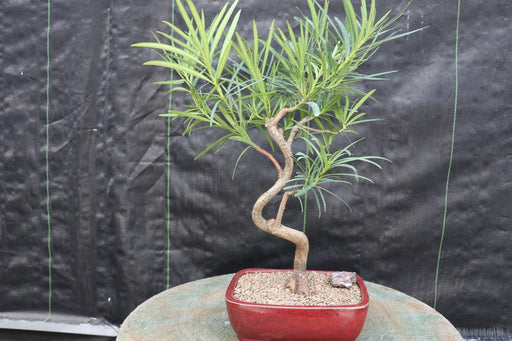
<point>270,288</point>
<point>342,279</point>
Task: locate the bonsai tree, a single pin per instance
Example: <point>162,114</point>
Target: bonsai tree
<point>299,83</point>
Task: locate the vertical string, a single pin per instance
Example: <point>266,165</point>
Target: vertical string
<point>48,220</point>
<point>168,178</point>
<point>305,212</point>
<point>451,153</point>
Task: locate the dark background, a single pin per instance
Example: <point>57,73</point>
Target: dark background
<point>108,165</point>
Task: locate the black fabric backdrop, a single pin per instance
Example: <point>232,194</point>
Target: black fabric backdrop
<point>108,164</point>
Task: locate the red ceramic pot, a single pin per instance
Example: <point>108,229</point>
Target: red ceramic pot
<point>258,322</point>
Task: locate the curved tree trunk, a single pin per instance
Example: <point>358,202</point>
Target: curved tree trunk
<point>298,283</point>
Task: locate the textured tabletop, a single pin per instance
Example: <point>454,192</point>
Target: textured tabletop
<point>196,311</point>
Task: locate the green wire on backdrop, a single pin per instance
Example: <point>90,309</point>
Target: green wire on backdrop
<point>168,178</point>
<point>48,220</point>
<point>443,230</point>
<point>304,220</point>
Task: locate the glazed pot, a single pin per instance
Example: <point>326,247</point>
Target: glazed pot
<point>259,322</point>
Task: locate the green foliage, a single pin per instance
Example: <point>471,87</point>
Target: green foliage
<point>319,166</point>
<point>237,83</point>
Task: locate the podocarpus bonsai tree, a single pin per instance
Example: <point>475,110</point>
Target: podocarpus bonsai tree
<point>297,83</point>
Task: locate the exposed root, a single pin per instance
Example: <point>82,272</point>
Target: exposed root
<point>298,283</point>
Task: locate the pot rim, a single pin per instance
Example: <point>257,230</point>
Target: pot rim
<point>229,293</point>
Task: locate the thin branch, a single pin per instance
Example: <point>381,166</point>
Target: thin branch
<point>282,206</point>
<point>270,157</point>
<point>321,131</point>
<point>295,129</point>
<point>280,115</point>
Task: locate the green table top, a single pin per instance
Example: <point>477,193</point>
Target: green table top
<point>196,311</point>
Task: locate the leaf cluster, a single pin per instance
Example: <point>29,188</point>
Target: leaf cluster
<point>310,65</point>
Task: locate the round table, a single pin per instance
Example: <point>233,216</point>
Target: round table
<point>196,311</point>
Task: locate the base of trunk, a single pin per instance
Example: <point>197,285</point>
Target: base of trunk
<point>298,283</point>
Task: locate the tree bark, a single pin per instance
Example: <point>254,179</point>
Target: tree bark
<point>298,283</point>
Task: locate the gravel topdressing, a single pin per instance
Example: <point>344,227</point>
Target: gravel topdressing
<point>270,288</point>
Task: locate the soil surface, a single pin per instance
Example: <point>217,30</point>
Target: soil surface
<point>270,288</point>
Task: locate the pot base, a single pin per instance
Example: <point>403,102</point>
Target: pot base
<point>265,322</point>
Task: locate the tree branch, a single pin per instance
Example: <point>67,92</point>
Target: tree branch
<point>282,206</point>
<point>295,129</point>
<point>270,157</point>
<point>323,131</point>
<point>280,115</point>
